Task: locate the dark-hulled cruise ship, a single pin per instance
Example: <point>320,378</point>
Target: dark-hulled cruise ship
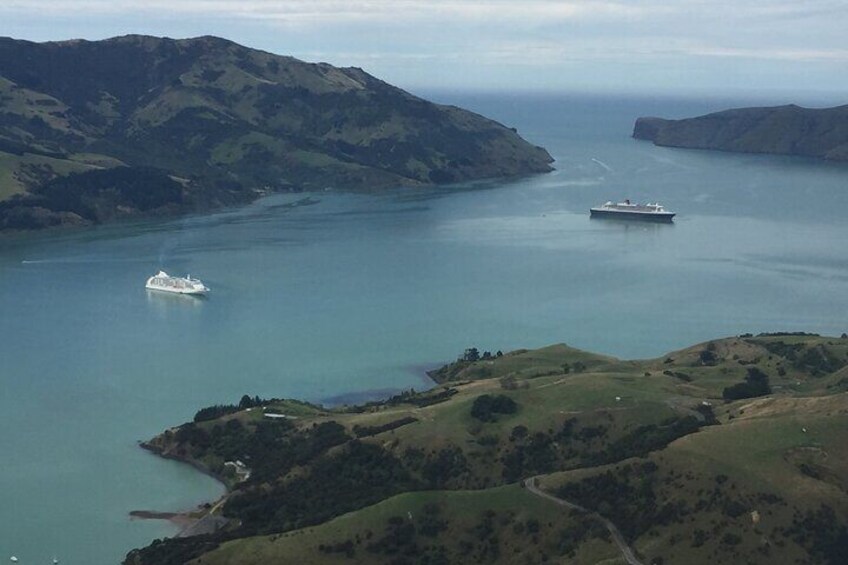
<point>629,211</point>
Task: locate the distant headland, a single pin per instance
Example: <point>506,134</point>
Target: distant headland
<point>781,130</point>
<point>92,131</point>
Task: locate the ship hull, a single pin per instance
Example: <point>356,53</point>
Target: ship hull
<point>661,217</point>
<point>191,291</point>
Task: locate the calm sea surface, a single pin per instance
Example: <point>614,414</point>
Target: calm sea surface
<point>332,295</point>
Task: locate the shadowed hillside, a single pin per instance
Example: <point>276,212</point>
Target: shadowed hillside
<point>226,122</point>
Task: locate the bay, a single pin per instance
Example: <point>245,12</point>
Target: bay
<point>332,297</point>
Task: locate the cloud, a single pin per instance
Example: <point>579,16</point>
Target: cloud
<point>799,55</point>
<point>464,39</point>
<point>353,11</point>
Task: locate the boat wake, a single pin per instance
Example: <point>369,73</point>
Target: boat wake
<point>601,163</point>
<point>81,261</point>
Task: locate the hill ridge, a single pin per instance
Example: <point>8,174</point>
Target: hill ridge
<point>783,130</point>
<point>230,121</point>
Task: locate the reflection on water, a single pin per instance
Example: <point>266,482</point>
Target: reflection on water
<point>163,300</point>
<point>634,224</point>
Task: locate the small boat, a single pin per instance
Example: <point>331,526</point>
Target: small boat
<point>180,285</point>
<point>630,211</point>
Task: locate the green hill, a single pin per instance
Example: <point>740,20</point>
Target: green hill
<point>226,122</point>
<point>691,461</point>
<point>782,130</point>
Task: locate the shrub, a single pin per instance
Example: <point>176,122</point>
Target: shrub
<point>756,384</point>
<point>486,406</point>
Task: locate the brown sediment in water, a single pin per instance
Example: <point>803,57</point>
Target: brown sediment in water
<point>181,519</point>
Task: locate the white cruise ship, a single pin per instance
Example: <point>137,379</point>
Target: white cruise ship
<point>180,285</point>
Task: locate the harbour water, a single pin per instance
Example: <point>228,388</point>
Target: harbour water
<point>332,295</point>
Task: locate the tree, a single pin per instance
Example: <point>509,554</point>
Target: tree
<point>486,406</point>
<point>471,355</point>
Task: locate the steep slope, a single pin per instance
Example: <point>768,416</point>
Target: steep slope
<point>783,130</point>
<point>227,122</point>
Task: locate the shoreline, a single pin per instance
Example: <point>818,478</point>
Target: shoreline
<point>168,214</point>
<point>190,522</point>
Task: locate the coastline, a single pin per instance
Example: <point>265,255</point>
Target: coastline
<point>190,522</point>
<point>202,519</point>
<point>421,370</point>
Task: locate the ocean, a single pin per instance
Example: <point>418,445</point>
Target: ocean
<point>335,297</point>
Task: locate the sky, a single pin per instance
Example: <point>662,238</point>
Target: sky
<point>637,46</point>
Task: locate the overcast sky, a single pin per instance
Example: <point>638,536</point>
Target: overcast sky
<point>719,46</point>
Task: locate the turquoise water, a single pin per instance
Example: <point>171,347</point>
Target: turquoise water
<point>333,295</point>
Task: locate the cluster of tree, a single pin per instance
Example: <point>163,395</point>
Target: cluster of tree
<point>708,355</point>
<point>449,463</point>
<point>347,479</point>
<point>642,440</point>
<point>534,455</point>
<point>91,196</point>
<point>348,547</point>
<point>816,359</point>
<point>431,398</point>
<point>577,367</point>
<point>582,528</point>
<point>94,194</point>
<point>787,334</point>
<point>172,551</point>
<point>411,396</point>
<point>822,534</point>
<point>472,355</point>
<point>445,468</point>
<point>451,371</point>
<point>486,407</point>
<point>366,431</point>
<point>269,447</point>
<point>410,542</point>
<point>628,492</point>
<point>218,410</point>
<point>399,539</point>
<point>543,452</point>
<point>678,375</point>
<point>756,383</point>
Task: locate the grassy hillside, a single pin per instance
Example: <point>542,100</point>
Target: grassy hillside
<point>665,448</point>
<point>783,130</point>
<point>228,121</point>
<point>500,524</point>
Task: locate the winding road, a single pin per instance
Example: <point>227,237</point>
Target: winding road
<point>626,550</point>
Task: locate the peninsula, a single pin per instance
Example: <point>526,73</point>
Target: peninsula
<point>781,130</point>
<point>730,451</point>
<point>92,131</point>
